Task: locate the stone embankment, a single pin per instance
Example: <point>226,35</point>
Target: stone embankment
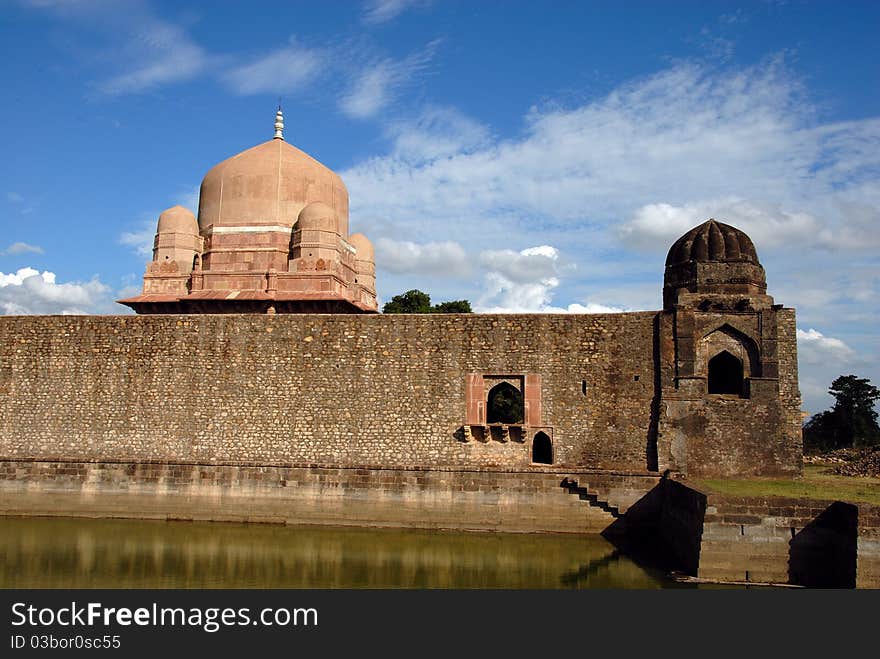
<point>806,542</point>
<point>470,499</point>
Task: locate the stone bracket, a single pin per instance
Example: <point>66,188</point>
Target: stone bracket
<point>473,431</point>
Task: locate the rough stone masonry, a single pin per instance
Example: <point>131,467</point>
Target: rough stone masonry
<point>392,391</point>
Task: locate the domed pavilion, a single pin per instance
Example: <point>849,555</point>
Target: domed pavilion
<point>271,236</point>
<point>712,262</point>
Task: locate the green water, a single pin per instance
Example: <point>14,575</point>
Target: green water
<point>86,553</point>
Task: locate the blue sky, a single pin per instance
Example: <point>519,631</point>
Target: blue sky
<point>525,156</point>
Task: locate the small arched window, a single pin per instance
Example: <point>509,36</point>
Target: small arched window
<point>542,449</point>
<point>725,374</point>
<point>504,404</point>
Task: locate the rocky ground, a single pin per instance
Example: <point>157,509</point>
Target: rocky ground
<point>849,461</point>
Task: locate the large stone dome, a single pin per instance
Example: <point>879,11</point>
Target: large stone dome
<point>271,237</point>
<point>712,241</point>
<point>269,184</point>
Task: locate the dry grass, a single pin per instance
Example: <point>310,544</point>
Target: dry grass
<point>815,484</point>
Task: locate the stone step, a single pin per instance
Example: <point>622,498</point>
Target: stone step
<point>592,497</point>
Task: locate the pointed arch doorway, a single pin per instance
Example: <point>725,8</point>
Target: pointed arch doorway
<point>542,449</point>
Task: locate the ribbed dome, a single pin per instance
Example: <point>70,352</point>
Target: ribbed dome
<point>177,219</point>
<point>269,184</point>
<point>712,241</point>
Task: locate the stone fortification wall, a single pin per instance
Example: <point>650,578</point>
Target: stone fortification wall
<point>339,390</point>
<point>791,419</point>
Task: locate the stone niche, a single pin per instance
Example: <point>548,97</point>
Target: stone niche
<point>729,358</point>
<point>503,407</point>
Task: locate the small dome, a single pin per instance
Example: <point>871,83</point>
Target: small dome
<point>363,246</point>
<point>318,215</point>
<point>712,241</point>
<point>177,219</point>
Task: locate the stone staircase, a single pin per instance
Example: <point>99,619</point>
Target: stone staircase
<point>593,497</point>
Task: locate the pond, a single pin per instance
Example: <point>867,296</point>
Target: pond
<point>106,553</point>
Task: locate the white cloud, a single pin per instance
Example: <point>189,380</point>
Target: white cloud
<point>636,169</point>
<point>822,359</point>
<point>435,133</point>
<point>445,259</point>
<point>287,69</point>
<point>767,224</point>
<point>144,50</point>
<point>512,282</point>
<point>372,90</point>
<point>816,348</point>
<point>382,11</point>
<point>525,282</point>
<point>693,139</point>
<point>131,290</point>
<point>29,291</point>
<point>857,207</point>
<point>532,265</point>
<point>14,197</point>
<point>140,240</point>
<point>157,53</point>
<point>376,84</point>
<point>502,295</point>
<point>21,248</point>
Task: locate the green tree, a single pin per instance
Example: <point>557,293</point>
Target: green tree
<point>505,405</point>
<point>822,433</point>
<point>852,422</point>
<point>855,408</point>
<point>416,301</point>
<point>453,306</point>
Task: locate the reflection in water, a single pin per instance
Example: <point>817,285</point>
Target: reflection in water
<point>85,553</point>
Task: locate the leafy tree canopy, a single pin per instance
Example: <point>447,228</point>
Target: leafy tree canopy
<point>453,306</point>
<point>851,422</point>
<point>416,301</point>
<point>505,405</point>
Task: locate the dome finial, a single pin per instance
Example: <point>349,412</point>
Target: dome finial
<point>279,123</point>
